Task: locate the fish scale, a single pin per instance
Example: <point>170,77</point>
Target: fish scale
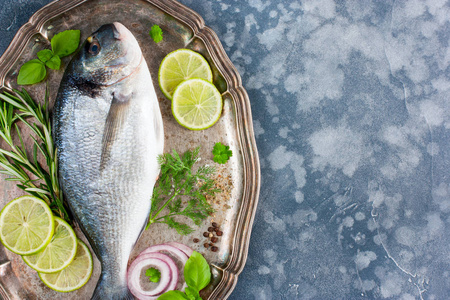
<point>108,130</point>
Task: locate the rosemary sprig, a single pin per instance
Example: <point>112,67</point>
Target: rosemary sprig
<point>182,192</point>
<point>17,161</point>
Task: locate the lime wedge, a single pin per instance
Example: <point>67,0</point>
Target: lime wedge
<point>26,225</point>
<point>196,104</point>
<point>181,65</point>
<point>75,275</point>
<point>59,253</point>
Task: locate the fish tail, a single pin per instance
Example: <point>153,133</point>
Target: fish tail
<point>106,290</point>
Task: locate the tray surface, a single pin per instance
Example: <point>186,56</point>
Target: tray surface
<point>239,179</point>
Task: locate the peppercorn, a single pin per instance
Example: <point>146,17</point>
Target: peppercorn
<point>214,249</point>
<point>214,224</point>
<point>206,234</point>
<point>219,233</point>
<point>196,240</point>
<point>214,239</point>
<point>206,245</point>
<point>216,229</point>
<point>210,229</point>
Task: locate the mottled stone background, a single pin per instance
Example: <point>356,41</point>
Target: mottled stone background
<point>351,110</point>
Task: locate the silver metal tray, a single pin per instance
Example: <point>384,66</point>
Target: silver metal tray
<point>239,178</point>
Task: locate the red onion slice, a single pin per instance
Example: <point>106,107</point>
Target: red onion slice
<point>179,257</point>
<point>162,262</point>
<point>188,251</point>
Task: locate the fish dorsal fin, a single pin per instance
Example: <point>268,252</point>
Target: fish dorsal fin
<point>117,114</point>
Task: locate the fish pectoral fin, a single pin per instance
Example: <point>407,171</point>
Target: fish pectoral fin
<point>117,114</point>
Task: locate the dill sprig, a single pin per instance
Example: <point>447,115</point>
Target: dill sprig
<point>17,162</point>
<point>181,192</point>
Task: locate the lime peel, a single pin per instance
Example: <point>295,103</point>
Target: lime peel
<point>180,65</point>
<point>76,275</point>
<point>59,253</point>
<point>26,225</point>
<point>196,104</point>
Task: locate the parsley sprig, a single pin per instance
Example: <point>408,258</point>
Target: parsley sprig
<point>181,192</point>
<point>17,162</point>
<point>156,33</point>
<point>153,274</point>
<point>222,153</point>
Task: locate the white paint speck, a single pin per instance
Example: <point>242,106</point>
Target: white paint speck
<point>339,148</point>
<point>364,258</point>
<point>299,197</point>
<point>283,132</point>
<point>359,216</point>
<point>432,113</point>
<point>348,222</point>
<point>405,236</point>
<point>280,158</point>
<point>257,128</point>
<point>433,149</point>
<point>263,270</point>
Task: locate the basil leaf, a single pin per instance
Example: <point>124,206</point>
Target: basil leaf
<point>45,55</point>
<point>192,293</point>
<point>197,272</point>
<point>54,62</point>
<point>66,42</point>
<point>173,295</point>
<point>31,72</point>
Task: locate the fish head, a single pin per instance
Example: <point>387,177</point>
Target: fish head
<point>109,55</point>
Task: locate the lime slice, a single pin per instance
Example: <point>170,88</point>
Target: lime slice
<point>75,275</point>
<point>59,253</point>
<point>26,225</point>
<point>196,104</point>
<point>181,65</point>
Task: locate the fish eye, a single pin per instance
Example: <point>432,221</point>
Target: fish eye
<point>94,48</point>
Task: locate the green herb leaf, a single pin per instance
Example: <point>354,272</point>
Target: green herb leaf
<point>221,153</point>
<point>45,55</point>
<point>65,42</point>
<point>54,62</point>
<point>197,272</point>
<point>182,192</point>
<point>154,275</point>
<point>31,72</point>
<point>181,228</point>
<point>156,33</point>
<point>192,293</point>
<point>197,275</point>
<point>173,295</point>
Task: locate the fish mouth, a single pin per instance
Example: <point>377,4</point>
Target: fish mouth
<point>130,59</point>
<point>121,33</point>
<point>119,30</point>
